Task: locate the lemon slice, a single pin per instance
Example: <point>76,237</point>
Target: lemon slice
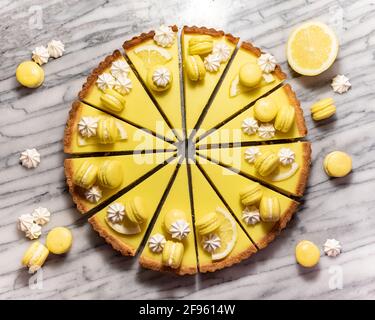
<point>127,227</point>
<point>312,48</point>
<point>227,233</point>
<point>152,55</point>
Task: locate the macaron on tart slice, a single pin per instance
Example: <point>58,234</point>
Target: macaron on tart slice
<point>95,179</point>
<point>171,243</point>
<point>283,166</point>
<point>90,130</point>
<point>261,211</point>
<point>221,242</point>
<point>114,88</point>
<point>206,54</point>
<point>278,116</point>
<point>124,222</point>
<point>251,75</point>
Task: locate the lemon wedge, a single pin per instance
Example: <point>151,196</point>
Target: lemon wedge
<point>312,48</point>
<point>152,55</point>
<point>227,233</point>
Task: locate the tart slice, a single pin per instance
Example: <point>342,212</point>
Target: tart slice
<point>114,88</point>
<point>247,208</point>
<point>90,130</point>
<point>282,166</point>
<point>221,242</point>
<point>205,54</point>
<point>93,180</point>
<point>171,244</point>
<point>247,79</point>
<point>288,122</point>
<point>155,57</point>
<point>118,224</point>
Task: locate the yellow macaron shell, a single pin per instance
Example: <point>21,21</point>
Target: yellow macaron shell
<point>29,74</point>
<point>265,110</point>
<point>323,109</point>
<point>207,223</point>
<point>107,131</point>
<point>35,256</point>
<point>195,69</point>
<point>110,174</point>
<point>112,100</point>
<point>266,163</point>
<point>337,164</point>
<point>135,211</point>
<point>251,194</point>
<point>250,75</point>
<point>59,240</point>
<point>172,216</point>
<point>86,175</point>
<point>172,254</point>
<point>307,254</point>
<point>151,83</point>
<point>201,45</point>
<point>285,118</point>
<point>269,209</point>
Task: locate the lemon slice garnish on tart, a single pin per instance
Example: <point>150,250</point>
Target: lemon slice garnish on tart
<point>152,55</point>
<point>227,233</point>
<point>312,48</point>
<point>124,228</point>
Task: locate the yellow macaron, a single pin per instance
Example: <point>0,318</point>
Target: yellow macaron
<point>200,45</point>
<point>173,253</point>
<point>156,76</point>
<point>86,175</point>
<point>251,194</point>
<point>173,216</point>
<point>35,256</point>
<point>59,240</point>
<point>284,118</point>
<point>265,109</point>
<point>323,109</point>
<point>307,254</point>
<point>337,164</point>
<point>107,131</point>
<point>250,75</point>
<point>29,74</point>
<point>110,174</point>
<point>207,223</point>
<point>112,100</point>
<point>195,69</point>
<point>269,209</point>
<point>266,163</point>
<point>135,211</point>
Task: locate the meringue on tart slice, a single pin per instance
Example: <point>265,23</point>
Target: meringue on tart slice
<point>220,240</point>
<point>92,180</point>
<point>114,88</point>
<point>87,125</point>
<point>244,83</point>
<point>125,234</point>
<point>261,232</point>
<point>205,55</point>
<point>155,57</point>
<point>283,166</point>
<point>171,243</point>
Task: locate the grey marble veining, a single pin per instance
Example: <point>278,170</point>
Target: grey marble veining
<point>340,208</point>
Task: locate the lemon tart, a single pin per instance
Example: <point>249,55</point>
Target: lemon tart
<point>282,166</point>
<point>245,127</point>
<point>92,180</point>
<point>155,56</point>
<point>114,88</point>
<point>171,244</point>
<point>234,94</point>
<point>206,54</point>
<point>88,128</point>
<point>126,235</point>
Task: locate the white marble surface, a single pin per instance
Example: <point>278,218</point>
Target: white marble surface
<point>341,208</point>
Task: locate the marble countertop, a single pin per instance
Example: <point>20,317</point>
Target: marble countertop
<point>341,208</point>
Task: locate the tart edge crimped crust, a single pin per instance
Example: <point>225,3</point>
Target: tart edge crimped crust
<point>257,52</point>
<point>124,249</point>
<point>157,266</point>
<point>133,42</point>
<point>210,32</point>
<point>306,157</point>
<point>74,114</point>
<point>93,76</point>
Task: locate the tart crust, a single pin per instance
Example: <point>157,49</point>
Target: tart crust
<point>157,266</point>
<point>210,32</point>
<point>71,124</point>
<point>306,156</point>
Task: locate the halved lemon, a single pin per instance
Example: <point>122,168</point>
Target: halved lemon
<point>312,48</point>
<point>152,55</point>
<point>227,233</point>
